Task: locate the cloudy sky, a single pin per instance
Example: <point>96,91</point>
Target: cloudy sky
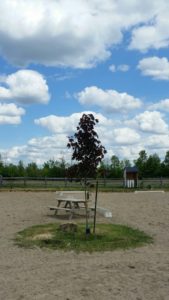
<point>60,58</point>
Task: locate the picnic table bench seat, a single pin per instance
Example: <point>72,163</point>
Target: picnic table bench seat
<point>59,208</point>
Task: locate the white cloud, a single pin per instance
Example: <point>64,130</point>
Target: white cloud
<point>112,68</point>
<point>56,33</point>
<point>148,121</point>
<point>50,147</point>
<point>109,100</point>
<point>161,105</point>
<point>67,125</point>
<point>124,142</point>
<point>13,154</point>
<point>55,146</point>
<point>58,124</point>
<point>25,86</point>
<point>10,114</point>
<point>126,136</point>
<point>39,150</point>
<point>10,109</point>
<point>156,67</point>
<point>153,34</point>
<point>111,136</point>
<point>10,120</point>
<point>158,142</point>
<point>121,68</point>
<point>129,151</point>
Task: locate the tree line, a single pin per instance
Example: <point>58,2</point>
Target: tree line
<point>51,168</point>
<point>149,166</point>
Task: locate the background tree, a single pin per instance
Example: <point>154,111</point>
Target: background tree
<point>102,170</point>
<point>21,169</point>
<point>1,165</point>
<point>115,162</point>
<point>140,162</point>
<point>165,165</point>
<point>116,168</point>
<point>54,168</point>
<point>125,163</point>
<point>153,166</point>
<point>32,170</point>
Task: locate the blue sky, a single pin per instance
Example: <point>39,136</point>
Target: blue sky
<point>59,60</point>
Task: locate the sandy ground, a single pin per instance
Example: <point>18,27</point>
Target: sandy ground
<point>135,274</point>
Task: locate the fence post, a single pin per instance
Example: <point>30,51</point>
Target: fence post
<point>95,208</point>
<point>161,182</point>
<point>24,180</point>
<point>45,182</point>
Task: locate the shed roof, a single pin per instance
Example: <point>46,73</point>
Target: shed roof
<point>131,169</point>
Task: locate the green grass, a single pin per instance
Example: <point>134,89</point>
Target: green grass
<point>108,237</point>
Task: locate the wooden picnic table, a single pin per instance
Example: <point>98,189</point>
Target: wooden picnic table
<point>69,204</point>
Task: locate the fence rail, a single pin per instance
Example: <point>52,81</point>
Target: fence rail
<point>65,183</point>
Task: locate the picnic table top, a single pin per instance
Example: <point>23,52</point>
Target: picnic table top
<point>71,200</point>
<point>69,192</point>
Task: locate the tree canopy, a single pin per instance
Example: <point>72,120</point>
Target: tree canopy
<point>88,151</point>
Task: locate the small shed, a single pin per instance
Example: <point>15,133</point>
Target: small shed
<point>130,177</point>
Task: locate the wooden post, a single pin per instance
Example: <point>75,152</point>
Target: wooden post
<point>24,180</point>
<point>86,206</point>
<point>161,182</point>
<point>45,182</point>
<point>95,208</point>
